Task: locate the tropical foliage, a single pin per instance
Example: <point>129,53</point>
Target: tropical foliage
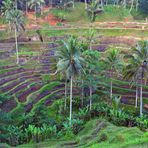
<point>74,84</point>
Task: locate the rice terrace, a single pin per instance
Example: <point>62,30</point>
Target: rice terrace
<point>74,73</point>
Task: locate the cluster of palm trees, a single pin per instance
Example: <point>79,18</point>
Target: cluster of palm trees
<point>76,60</point>
<point>97,6</point>
<point>137,69</point>
<point>15,17</point>
<point>130,3</point>
<point>29,4</point>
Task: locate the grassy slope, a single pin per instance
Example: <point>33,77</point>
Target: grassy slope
<point>79,15</point>
<point>114,13</point>
<point>89,137</point>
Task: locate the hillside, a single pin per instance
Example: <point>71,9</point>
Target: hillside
<point>74,75</point>
<point>79,15</point>
<point>99,133</point>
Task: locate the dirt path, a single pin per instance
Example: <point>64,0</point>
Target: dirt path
<point>35,23</point>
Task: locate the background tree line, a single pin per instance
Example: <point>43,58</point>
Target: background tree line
<point>140,5</point>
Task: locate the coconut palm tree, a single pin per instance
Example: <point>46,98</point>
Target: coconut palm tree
<point>138,67</point>
<point>92,10</point>
<point>84,46</point>
<point>15,17</point>
<point>24,5</point>
<point>7,6</point>
<point>91,70</point>
<point>137,5</point>
<point>89,38</point>
<point>112,61</point>
<point>85,4</point>
<point>70,61</point>
<point>73,4</point>
<point>130,73</point>
<point>124,3</point>
<point>132,5</point>
<point>35,4</point>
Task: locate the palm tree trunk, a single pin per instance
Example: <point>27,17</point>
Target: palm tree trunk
<point>82,95</point>
<point>111,85</point>
<point>26,7</point>
<point>136,103</point>
<point>16,4</point>
<point>137,4</point>
<point>36,12</point>
<point>114,2</point>
<point>106,2</point>
<point>124,5</point>
<point>141,100</point>
<point>90,97</point>
<point>41,9</point>
<point>73,3</point>
<point>70,116</point>
<point>9,26</point>
<point>111,89</point>
<point>16,45</point>
<point>85,4</point>
<point>90,46</point>
<point>101,3</point>
<point>51,4</point>
<point>132,4</point>
<point>65,105</point>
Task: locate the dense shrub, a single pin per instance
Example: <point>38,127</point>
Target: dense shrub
<point>142,122</point>
<point>5,119</point>
<point>15,135</point>
<point>37,126</point>
<point>137,15</point>
<point>103,137</point>
<point>4,98</point>
<point>101,109</point>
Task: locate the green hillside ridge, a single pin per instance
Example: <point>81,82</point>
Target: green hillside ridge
<point>98,130</point>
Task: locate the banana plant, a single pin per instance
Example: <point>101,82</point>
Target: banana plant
<point>44,131</point>
<point>53,130</point>
<point>82,113</point>
<point>15,134</point>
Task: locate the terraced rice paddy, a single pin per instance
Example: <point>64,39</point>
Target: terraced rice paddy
<point>25,83</point>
